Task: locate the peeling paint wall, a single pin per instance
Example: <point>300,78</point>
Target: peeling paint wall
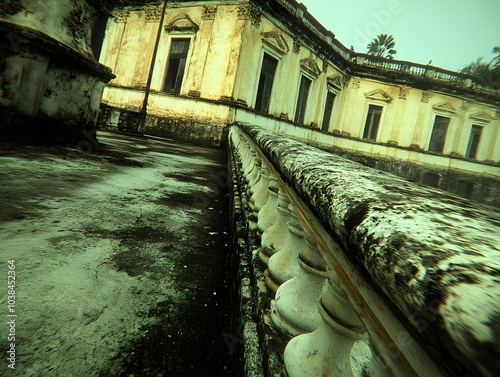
<point>214,45</point>
<point>295,58</point>
<point>408,118</point>
<point>213,31</point>
<point>68,22</point>
<point>51,83</point>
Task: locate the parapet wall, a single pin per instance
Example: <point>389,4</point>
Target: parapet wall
<point>51,82</point>
<point>432,258</point>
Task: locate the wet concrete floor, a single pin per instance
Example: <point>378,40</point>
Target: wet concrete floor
<point>120,255</point>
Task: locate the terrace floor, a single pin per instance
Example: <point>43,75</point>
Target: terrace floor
<point>121,258</point>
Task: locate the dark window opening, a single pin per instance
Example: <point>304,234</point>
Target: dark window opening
<point>438,136</point>
<point>330,98</point>
<point>305,84</point>
<point>475,135</point>
<point>465,188</point>
<point>97,35</point>
<point>372,122</point>
<point>431,179</point>
<point>176,65</point>
<point>265,83</point>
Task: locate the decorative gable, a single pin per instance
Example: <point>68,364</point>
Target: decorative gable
<point>337,82</point>
<point>310,67</point>
<point>482,116</point>
<point>444,106</point>
<point>276,42</point>
<point>182,24</point>
<point>379,95</point>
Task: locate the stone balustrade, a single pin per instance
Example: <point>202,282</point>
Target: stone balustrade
<point>366,273</point>
<point>420,72</point>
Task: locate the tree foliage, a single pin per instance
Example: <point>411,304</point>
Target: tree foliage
<point>488,73</point>
<point>382,46</point>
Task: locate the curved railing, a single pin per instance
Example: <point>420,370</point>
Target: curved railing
<point>428,73</point>
<point>368,273</point>
<point>363,62</point>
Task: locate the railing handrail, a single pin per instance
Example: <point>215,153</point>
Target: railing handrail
<point>422,71</point>
<point>400,260</point>
<point>416,70</point>
<point>328,249</point>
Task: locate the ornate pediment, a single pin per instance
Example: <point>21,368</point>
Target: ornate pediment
<point>310,67</point>
<point>182,24</point>
<point>337,82</point>
<point>378,95</point>
<point>275,41</point>
<point>444,106</point>
<point>482,116</point>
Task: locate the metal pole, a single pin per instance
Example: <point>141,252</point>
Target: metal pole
<point>143,111</point>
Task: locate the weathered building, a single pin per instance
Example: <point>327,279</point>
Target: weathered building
<point>51,81</point>
<point>273,64</point>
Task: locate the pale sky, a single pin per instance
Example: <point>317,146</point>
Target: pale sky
<point>452,33</point>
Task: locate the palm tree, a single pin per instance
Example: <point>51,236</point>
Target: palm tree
<point>382,46</point>
<point>487,72</point>
<point>495,62</point>
<point>478,68</point>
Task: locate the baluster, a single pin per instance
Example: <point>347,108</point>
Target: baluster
<point>377,366</point>
<point>273,239</point>
<point>237,140</point>
<point>260,190</point>
<point>237,149</point>
<point>246,158</point>
<point>254,177</point>
<point>326,351</point>
<point>295,308</point>
<point>251,169</point>
<point>267,214</point>
<point>283,264</point>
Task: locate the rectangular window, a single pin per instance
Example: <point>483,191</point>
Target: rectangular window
<point>266,80</point>
<point>330,98</point>
<point>438,136</point>
<point>475,135</point>
<point>465,189</point>
<point>305,84</point>
<point>176,64</point>
<point>431,179</point>
<point>97,35</point>
<point>372,122</point>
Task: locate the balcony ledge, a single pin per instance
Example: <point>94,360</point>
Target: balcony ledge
<point>431,255</point>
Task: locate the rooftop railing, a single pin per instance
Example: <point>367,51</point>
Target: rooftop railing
<point>369,274</point>
<point>405,68</point>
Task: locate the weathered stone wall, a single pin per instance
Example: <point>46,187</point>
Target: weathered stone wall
<point>408,117</point>
<point>433,257</point>
<point>485,187</point>
<point>51,83</point>
<point>201,110</point>
<point>176,117</point>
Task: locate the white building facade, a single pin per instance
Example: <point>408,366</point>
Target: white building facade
<point>273,64</point>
